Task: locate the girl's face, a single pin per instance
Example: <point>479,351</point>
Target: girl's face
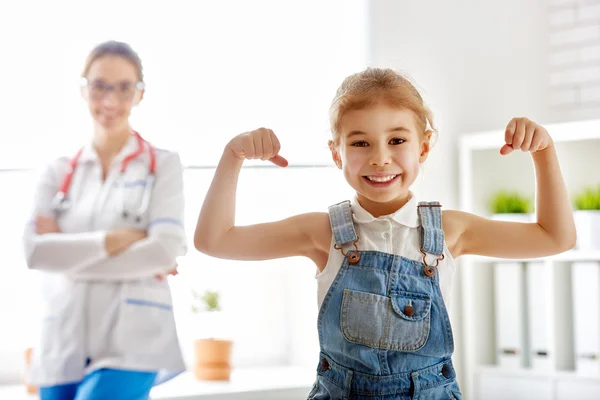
<point>380,150</point>
<point>112,90</point>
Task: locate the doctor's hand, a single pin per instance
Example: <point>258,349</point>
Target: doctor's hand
<point>119,240</point>
<point>45,224</point>
<point>260,143</point>
<point>524,134</point>
<point>173,272</point>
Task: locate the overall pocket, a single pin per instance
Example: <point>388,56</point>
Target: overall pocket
<point>400,322</point>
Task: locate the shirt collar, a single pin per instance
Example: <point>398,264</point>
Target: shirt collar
<point>407,215</point>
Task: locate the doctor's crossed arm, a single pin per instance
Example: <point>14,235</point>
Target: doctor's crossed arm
<point>156,254</point>
<point>49,249</point>
<point>124,253</point>
<point>115,241</point>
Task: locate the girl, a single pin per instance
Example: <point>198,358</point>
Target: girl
<point>384,260</point>
<point>107,222</point>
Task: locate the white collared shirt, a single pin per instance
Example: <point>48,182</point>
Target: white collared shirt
<point>109,311</point>
<point>397,234</point>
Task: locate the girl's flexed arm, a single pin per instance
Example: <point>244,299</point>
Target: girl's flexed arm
<point>554,230</point>
<point>216,233</point>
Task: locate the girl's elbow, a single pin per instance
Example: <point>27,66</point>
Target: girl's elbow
<point>212,243</point>
<point>571,241</point>
<point>567,242</point>
<point>202,242</point>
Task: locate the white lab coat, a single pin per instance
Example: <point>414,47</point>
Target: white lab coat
<point>106,311</point>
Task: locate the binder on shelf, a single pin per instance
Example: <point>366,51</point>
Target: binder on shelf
<point>540,284</point>
<point>510,305</point>
<point>585,278</point>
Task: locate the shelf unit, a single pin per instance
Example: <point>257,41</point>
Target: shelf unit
<point>483,171</point>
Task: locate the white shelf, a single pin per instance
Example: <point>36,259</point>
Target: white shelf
<point>569,256</point>
<point>500,384</point>
<point>526,372</point>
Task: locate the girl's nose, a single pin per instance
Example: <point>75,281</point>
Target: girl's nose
<point>380,157</point>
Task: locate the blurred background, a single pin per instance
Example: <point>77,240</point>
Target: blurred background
<point>214,69</point>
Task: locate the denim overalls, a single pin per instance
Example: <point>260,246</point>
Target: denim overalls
<point>384,331</point>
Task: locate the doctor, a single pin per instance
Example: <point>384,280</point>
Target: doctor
<point>107,226</point>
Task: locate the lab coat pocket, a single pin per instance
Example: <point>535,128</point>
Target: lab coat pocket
<point>145,324</point>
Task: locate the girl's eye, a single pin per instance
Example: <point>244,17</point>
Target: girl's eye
<point>397,141</point>
<point>360,143</point>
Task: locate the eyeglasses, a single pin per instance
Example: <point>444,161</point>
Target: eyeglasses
<point>123,90</point>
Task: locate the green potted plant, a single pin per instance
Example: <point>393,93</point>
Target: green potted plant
<point>587,218</point>
<point>212,348</point>
<point>511,206</point>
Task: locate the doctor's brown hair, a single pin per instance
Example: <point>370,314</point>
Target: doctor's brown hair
<point>114,48</point>
<point>374,86</point>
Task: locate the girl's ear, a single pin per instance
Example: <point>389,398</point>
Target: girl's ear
<point>425,146</point>
<point>335,155</point>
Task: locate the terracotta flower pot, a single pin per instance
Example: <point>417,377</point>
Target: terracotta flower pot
<point>213,359</point>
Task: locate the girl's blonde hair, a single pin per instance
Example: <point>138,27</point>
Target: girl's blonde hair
<point>374,86</point>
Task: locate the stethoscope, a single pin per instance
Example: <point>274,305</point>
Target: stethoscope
<point>61,203</point>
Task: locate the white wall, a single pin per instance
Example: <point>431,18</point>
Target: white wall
<point>478,64</point>
<point>574,59</point>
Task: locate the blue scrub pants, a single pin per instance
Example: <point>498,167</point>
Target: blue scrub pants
<point>110,384</point>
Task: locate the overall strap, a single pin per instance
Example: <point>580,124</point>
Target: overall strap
<point>342,225</point>
<point>432,234</point>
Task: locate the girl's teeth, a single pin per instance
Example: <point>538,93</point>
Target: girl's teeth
<point>381,178</point>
